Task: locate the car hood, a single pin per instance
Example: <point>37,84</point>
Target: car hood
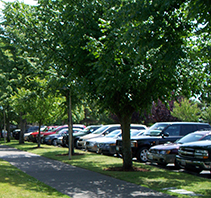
<point>198,144</point>
<point>89,136</point>
<point>104,140</point>
<point>143,137</point>
<point>168,146</point>
<point>54,135</point>
<point>79,134</point>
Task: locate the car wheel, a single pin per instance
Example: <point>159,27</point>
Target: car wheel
<point>176,165</point>
<point>75,143</point>
<point>119,155</point>
<point>54,142</point>
<point>142,154</point>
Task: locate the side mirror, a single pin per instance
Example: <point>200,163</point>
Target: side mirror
<point>106,133</point>
<point>165,134</point>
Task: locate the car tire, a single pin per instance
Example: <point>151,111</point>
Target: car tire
<point>176,165</point>
<point>142,154</point>
<point>54,142</point>
<point>75,143</point>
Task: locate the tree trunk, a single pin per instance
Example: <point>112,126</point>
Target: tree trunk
<point>8,129</point>
<point>126,145</point>
<point>70,131</point>
<point>38,138</point>
<point>23,129</point>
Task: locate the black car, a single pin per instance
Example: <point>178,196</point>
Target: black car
<point>166,153</point>
<point>159,133</point>
<point>76,136</point>
<point>195,156</point>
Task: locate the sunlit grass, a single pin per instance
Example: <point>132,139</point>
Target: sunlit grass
<point>155,178</point>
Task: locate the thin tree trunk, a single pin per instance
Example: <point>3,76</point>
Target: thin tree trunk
<point>126,147</point>
<point>23,129</point>
<point>8,130</point>
<point>38,138</point>
<point>71,150</point>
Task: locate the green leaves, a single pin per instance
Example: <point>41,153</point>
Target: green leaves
<point>187,111</point>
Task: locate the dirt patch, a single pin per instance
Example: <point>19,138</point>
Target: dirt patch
<point>36,147</point>
<point>66,154</point>
<point>137,169</point>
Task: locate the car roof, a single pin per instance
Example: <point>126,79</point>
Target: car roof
<point>182,123</point>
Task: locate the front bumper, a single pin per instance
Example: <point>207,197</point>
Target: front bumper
<point>161,158</point>
<point>109,150</point>
<point>193,163</point>
<point>81,144</point>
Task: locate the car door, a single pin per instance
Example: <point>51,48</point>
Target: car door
<point>187,128</point>
<point>173,131</point>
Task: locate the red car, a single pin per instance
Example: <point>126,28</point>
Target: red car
<point>33,136</point>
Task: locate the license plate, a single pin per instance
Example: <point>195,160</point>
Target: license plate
<point>149,156</point>
<point>183,162</point>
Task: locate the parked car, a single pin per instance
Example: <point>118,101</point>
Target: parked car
<point>42,129</point>
<point>159,133</point>
<point>166,153</point>
<point>52,139</point>
<point>104,130</point>
<point>60,141</point>
<point>76,136</point>
<point>33,136</point>
<point>16,134</point>
<point>107,144</point>
<point>195,156</point>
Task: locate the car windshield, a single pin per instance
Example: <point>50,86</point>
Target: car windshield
<point>55,129</point>
<point>155,129</point>
<point>100,130</point>
<point>135,133</point>
<point>190,138</point>
<point>87,129</point>
<point>61,131</point>
<point>113,134</point>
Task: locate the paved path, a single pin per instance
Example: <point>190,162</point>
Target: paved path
<point>73,181</point>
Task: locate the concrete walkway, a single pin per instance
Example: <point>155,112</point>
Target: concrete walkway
<point>73,181</point>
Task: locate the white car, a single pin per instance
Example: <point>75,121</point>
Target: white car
<point>104,130</point>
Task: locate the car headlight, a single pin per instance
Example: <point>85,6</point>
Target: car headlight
<point>91,143</point>
<point>202,154</point>
<point>134,144</point>
<point>164,152</point>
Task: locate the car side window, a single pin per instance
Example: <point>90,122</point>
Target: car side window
<point>173,130</point>
<point>112,129</point>
<point>187,128</point>
<point>208,137</point>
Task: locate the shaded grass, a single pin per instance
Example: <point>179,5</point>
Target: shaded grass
<point>155,178</point>
<point>15,183</point>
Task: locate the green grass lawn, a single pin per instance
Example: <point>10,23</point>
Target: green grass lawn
<point>155,178</point>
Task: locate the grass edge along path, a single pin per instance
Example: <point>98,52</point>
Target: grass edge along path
<point>155,178</point>
<point>15,183</point>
